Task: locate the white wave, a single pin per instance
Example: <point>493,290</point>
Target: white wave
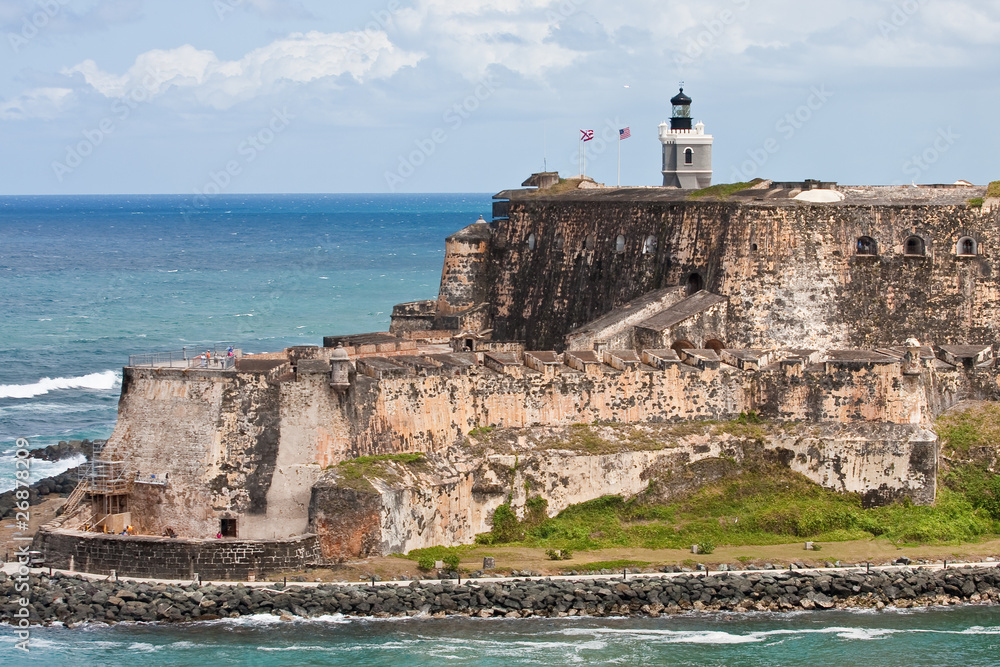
<point>100,381</point>
<point>48,408</point>
<point>39,469</point>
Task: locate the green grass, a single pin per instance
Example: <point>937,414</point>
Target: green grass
<point>616,565</point>
<point>993,189</point>
<point>723,189</point>
<point>355,473</point>
<point>766,505</point>
<point>975,427</point>
<point>437,553</point>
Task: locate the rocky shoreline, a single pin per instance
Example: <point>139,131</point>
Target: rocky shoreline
<point>73,600</point>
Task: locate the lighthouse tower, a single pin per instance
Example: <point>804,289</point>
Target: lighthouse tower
<point>687,151</point>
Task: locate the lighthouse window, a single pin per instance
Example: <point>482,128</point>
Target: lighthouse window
<point>915,247</point>
<point>866,246</point>
<point>620,244</point>
<point>966,246</point>
<point>590,242</point>
<point>688,156</point>
<point>649,247</point>
<point>531,241</point>
<point>559,242</point>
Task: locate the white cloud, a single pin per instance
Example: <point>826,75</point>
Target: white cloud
<point>296,59</point>
<point>37,103</point>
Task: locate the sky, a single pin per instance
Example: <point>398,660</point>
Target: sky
<point>303,96</point>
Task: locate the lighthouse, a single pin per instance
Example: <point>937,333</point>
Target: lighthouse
<point>687,150</point>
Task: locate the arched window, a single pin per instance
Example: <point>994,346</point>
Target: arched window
<point>695,283</point>
<point>682,345</point>
<point>866,246</point>
<point>560,242</point>
<point>649,247</point>
<point>620,244</point>
<point>688,156</point>
<point>531,241</point>
<point>589,243</point>
<point>715,344</point>
<point>967,246</point>
<point>915,247</point>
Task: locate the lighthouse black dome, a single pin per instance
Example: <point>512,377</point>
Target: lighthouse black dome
<point>680,99</point>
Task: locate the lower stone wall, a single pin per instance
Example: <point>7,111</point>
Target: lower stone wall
<point>173,558</point>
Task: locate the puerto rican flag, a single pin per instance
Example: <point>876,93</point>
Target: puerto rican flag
<point>624,134</point>
<point>586,135</point>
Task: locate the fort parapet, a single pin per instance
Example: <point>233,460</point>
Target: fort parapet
<point>583,343</point>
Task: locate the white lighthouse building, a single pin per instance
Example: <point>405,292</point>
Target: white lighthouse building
<point>687,150</point>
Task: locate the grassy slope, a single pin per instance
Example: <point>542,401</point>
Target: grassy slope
<point>767,504</point>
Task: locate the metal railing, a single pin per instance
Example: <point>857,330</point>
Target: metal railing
<point>216,358</point>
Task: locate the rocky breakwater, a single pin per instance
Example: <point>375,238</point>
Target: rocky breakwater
<point>73,600</point>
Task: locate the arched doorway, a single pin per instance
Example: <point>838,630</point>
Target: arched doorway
<point>695,283</point>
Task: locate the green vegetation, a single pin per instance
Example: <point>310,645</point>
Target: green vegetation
<point>963,431</point>
<point>620,564</point>
<point>355,473</point>
<point>993,189</point>
<point>976,202</point>
<point>706,547</point>
<point>480,431</point>
<point>426,558</point>
<point>723,190</point>
<point>767,504</point>
<point>559,554</point>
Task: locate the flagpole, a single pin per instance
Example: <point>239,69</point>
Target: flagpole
<point>619,160</point>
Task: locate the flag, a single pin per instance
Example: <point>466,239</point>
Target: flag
<point>587,135</point>
<point>624,134</point>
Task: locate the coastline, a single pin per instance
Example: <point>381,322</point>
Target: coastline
<point>73,599</point>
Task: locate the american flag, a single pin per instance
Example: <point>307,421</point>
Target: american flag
<point>624,134</point>
<point>587,135</point>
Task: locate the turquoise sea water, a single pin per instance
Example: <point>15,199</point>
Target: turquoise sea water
<point>927,638</point>
<point>86,281</point>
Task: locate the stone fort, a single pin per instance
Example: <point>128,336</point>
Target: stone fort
<point>642,319</point>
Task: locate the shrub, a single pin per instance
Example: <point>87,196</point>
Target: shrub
<point>706,547</point>
<point>426,563</point>
<point>506,527</point>
<point>451,561</point>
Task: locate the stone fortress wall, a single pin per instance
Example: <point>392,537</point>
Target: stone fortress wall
<point>790,270</point>
<point>651,310</point>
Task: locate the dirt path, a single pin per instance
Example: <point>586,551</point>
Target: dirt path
<point>535,560</point>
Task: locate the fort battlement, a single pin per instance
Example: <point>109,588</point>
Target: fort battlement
<point>845,327</point>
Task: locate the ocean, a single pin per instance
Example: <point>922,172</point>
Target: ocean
<point>87,281</point>
<point>967,636</point>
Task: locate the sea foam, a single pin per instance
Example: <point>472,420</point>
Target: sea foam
<point>99,381</point>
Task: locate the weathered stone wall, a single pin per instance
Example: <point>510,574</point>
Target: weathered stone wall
<point>790,271</point>
<point>174,558</point>
<point>218,440</point>
<point>454,499</point>
<point>462,284</point>
<point>429,413</point>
